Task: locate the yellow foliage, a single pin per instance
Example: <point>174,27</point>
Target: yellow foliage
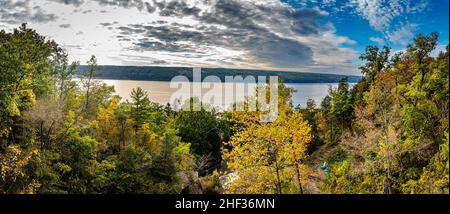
<point>264,155</point>
<point>13,172</point>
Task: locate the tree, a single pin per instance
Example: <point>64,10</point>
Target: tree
<point>89,75</point>
<point>336,113</point>
<point>60,137</point>
<point>204,131</point>
<point>312,115</point>
<point>25,65</point>
<point>63,73</point>
<point>435,177</point>
<point>376,61</point>
<point>14,166</point>
<point>95,92</point>
<point>264,155</point>
<point>388,134</point>
<point>420,50</point>
<point>140,110</point>
<point>401,139</point>
<point>268,157</point>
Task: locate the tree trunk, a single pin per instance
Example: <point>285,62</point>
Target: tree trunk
<point>278,179</point>
<point>298,179</point>
<point>297,168</point>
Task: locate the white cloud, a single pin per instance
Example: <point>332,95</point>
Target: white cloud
<point>402,35</point>
<point>378,40</point>
<point>438,50</point>
<point>383,16</point>
<point>379,13</point>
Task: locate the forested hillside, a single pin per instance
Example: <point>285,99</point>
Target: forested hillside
<point>167,73</point>
<point>388,134</point>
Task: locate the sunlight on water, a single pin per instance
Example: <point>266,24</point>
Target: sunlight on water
<point>161,92</point>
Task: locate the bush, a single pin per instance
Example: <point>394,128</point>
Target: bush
<point>337,155</point>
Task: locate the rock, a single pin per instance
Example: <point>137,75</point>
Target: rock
<point>191,183</point>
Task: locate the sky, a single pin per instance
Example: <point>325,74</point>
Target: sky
<point>321,36</point>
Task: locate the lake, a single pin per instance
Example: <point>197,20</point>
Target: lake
<point>161,92</point>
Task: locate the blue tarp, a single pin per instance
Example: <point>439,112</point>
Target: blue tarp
<point>324,167</point>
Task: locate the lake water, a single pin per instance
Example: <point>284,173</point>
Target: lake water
<point>161,92</point>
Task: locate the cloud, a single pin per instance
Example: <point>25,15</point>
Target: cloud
<point>65,26</point>
<point>123,3</point>
<point>383,16</point>
<point>378,40</point>
<point>402,35</point>
<point>174,8</point>
<point>267,33</point>
<point>438,50</point>
<point>382,13</point>
<point>379,13</point>
<point>75,3</point>
<point>16,12</point>
<point>264,33</point>
<point>140,60</point>
<point>240,33</point>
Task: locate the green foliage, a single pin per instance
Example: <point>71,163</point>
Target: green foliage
<point>156,73</point>
<point>204,130</point>
<point>435,177</point>
<point>376,61</point>
<point>60,136</point>
<point>140,107</point>
<point>14,167</point>
<point>336,113</point>
<point>337,155</point>
<point>25,65</point>
<point>400,144</point>
<point>211,184</point>
<point>389,132</point>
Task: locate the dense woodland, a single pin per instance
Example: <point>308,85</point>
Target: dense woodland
<point>150,73</point>
<point>388,134</point>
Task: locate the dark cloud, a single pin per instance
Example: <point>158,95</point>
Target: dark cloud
<point>259,45</point>
<point>123,38</point>
<point>119,3</point>
<point>181,25</point>
<point>145,44</point>
<point>305,21</point>
<point>65,26</point>
<point>15,12</point>
<point>176,8</point>
<point>231,25</point>
<point>160,62</point>
<point>109,24</point>
<point>226,12</point>
<point>106,24</point>
<point>130,31</point>
<point>149,7</point>
<point>123,3</point>
<point>142,60</point>
<point>265,33</point>
<point>71,47</point>
<point>75,3</point>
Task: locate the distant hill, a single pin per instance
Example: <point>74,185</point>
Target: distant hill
<point>151,73</point>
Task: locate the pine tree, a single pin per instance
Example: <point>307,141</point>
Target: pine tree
<point>140,110</point>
